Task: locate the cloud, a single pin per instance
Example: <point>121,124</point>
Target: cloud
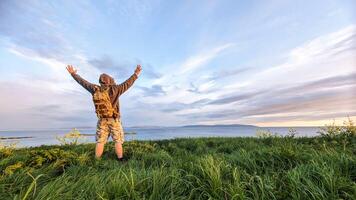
<point>236,98</point>
<point>194,62</point>
<point>108,65</point>
<point>184,85</point>
<point>312,86</point>
<point>305,84</point>
<point>333,53</point>
<point>320,83</point>
<point>40,34</point>
<point>324,83</point>
<point>280,99</point>
<point>135,11</point>
<point>319,104</point>
<point>313,81</point>
<point>123,68</point>
<point>25,105</point>
<point>203,87</point>
<point>342,41</point>
<point>178,106</point>
<point>323,108</point>
<point>63,116</point>
<point>34,30</point>
<point>229,73</point>
<point>149,72</point>
<point>50,108</point>
<point>154,90</point>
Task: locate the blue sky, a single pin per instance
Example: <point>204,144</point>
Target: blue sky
<point>268,63</point>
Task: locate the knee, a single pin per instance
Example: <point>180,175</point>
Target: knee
<point>118,144</point>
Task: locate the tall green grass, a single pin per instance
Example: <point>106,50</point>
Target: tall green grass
<point>201,168</point>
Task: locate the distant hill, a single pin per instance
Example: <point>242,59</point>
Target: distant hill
<point>195,126</point>
<point>220,125</point>
<point>143,127</point>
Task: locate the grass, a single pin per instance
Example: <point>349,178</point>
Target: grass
<point>201,168</point>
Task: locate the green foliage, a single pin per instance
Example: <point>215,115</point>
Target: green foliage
<point>265,134</point>
<point>33,185</point>
<point>202,168</point>
<point>6,150</point>
<point>334,131</point>
<point>58,156</point>
<point>291,133</point>
<point>339,135</point>
<point>71,138</point>
<point>9,170</point>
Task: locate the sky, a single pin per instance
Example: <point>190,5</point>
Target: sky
<point>265,63</point>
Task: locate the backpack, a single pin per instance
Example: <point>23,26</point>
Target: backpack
<point>102,103</point>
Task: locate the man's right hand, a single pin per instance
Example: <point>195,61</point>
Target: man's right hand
<point>71,69</point>
<point>138,70</point>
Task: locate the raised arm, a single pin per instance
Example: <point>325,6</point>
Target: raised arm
<point>87,85</point>
<point>123,87</point>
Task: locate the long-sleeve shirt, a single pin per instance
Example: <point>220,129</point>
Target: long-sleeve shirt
<point>115,90</point>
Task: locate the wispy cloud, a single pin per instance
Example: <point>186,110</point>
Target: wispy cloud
<point>154,90</point>
<point>42,97</point>
<point>304,88</point>
<point>135,10</point>
<point>33,30</point>
<point>39,106</point>
<point>123,68</point>
<point>108,65</point>
<point>193,71</point>
<point>310,93</point>
<point>229,73</point>
<point>328,52</point>
<point>194,62</point>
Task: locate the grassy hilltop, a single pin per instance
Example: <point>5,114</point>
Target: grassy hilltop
<point>204,168</point>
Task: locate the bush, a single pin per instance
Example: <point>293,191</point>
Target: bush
<point>138,149</point>
<point>9,170</point>
<point>344,135</point>
<point>71,138</point>
<point>6,150</point>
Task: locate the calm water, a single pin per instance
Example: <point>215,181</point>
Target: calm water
<point>47,137</point>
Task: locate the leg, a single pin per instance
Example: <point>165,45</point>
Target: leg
<point>99,149</point>
<point>117,134</point>
<point>118,150</point>
<point>102,133</point>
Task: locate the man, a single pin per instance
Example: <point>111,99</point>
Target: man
<point>106,102</point>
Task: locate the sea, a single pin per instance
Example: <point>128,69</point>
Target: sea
<point>32,138</point>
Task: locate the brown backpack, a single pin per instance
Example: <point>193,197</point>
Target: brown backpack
<point>102,103</point>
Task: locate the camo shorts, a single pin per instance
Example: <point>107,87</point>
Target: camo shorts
<point>107,127</point>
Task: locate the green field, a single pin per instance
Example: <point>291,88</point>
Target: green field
<point>203,168</point>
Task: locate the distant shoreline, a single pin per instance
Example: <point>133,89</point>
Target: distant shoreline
<point>29,137</point>
<point>165,127</point>
<point>16,137</point>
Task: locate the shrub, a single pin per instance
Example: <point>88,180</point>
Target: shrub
<point>265,134</point>
<point>333,131</point>
<point>71,138</point>
<point>291,133</point>
<point>9,170</point>
<point>138,149</point>
<point>344,135</point>
<point>55,155</point>
<point>6,150</point>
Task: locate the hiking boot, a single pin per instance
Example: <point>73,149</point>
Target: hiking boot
<point>123,159</point>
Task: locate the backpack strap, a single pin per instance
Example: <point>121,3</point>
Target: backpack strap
<point>96,88</point>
